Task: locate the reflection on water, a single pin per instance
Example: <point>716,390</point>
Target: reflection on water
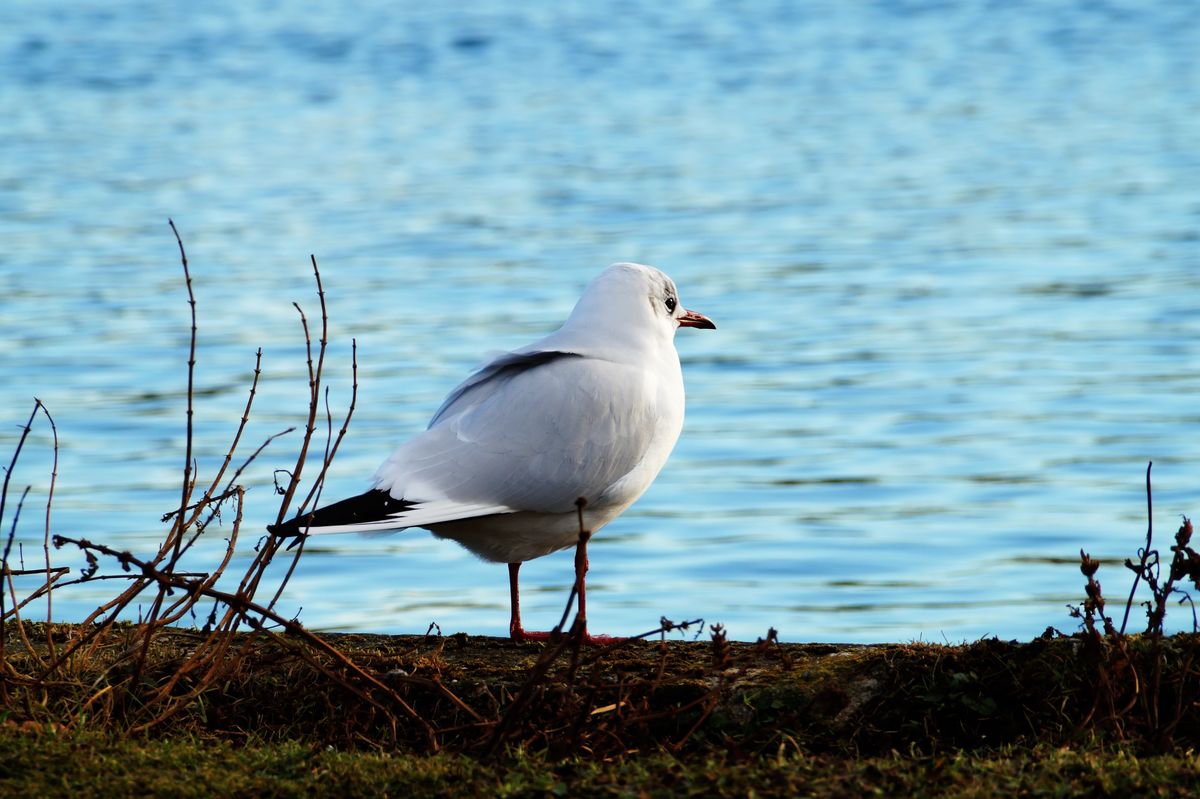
<point>952,252</point>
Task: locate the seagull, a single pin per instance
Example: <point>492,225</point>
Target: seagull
<point>544,445</point>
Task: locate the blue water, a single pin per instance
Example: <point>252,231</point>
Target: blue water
<point>953,251</point>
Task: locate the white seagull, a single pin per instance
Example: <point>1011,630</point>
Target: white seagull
<point>575,425</point>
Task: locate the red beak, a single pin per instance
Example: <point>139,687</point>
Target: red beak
<point>693,319</point>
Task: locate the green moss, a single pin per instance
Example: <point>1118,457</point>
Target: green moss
<point>84,766</point>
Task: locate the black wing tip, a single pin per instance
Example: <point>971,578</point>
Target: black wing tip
<point>369,506</point>
<point>289,528</point>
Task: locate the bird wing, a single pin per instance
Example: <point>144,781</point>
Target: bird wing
<point>531,431</point>
<point>495,371</point>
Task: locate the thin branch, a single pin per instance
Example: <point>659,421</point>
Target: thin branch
<point>314,383</point>
<point>46,532</point>
<point>237,437</point>
<point>187,459</point>
<point>8,574</point>
<point>1145,553</point>
<point>12,464</point>
<point>315,493</point>
<point>167,580</point>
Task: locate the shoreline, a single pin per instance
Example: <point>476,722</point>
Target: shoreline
<point>461,715</point>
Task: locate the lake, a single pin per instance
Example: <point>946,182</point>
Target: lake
<point>952,250</point>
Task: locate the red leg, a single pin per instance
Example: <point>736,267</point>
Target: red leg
<point>581,570</point>
<point>518,633</point>
<point>515,631</point>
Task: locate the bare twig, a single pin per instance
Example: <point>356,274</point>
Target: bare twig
<point>330,452</point>
<point>314,385</point>
<point>187,458</point>
<point>12,464</point>
<point>167,581</point>
<point>46,531</point>
<point>1144,554</point>
<point>125,686</point>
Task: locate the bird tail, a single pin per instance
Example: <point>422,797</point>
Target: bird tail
<point>369,512</point>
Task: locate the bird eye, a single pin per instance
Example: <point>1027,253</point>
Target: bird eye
<point>671,304</point>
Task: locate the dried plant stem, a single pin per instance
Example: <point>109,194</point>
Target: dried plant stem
<point>330,453</point>
<point>4,567</point>
<point>1145,553</point>
<point>126,687</point>
<point>174,541</point>
<point>52,580</point>
<point>50,571</point>
<point>169,581</point>
<point>188,483</point>
<point>314,385</point>
<point>210,494</point>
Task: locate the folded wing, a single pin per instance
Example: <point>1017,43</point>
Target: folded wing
<point>530,431</point>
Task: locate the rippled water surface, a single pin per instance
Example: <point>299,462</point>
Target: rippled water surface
<point>953,251</point>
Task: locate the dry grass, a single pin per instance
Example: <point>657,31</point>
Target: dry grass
<point>110,674</point>
<point>1142,689</point>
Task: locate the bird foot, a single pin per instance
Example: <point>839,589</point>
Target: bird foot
<point>518,634</point>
